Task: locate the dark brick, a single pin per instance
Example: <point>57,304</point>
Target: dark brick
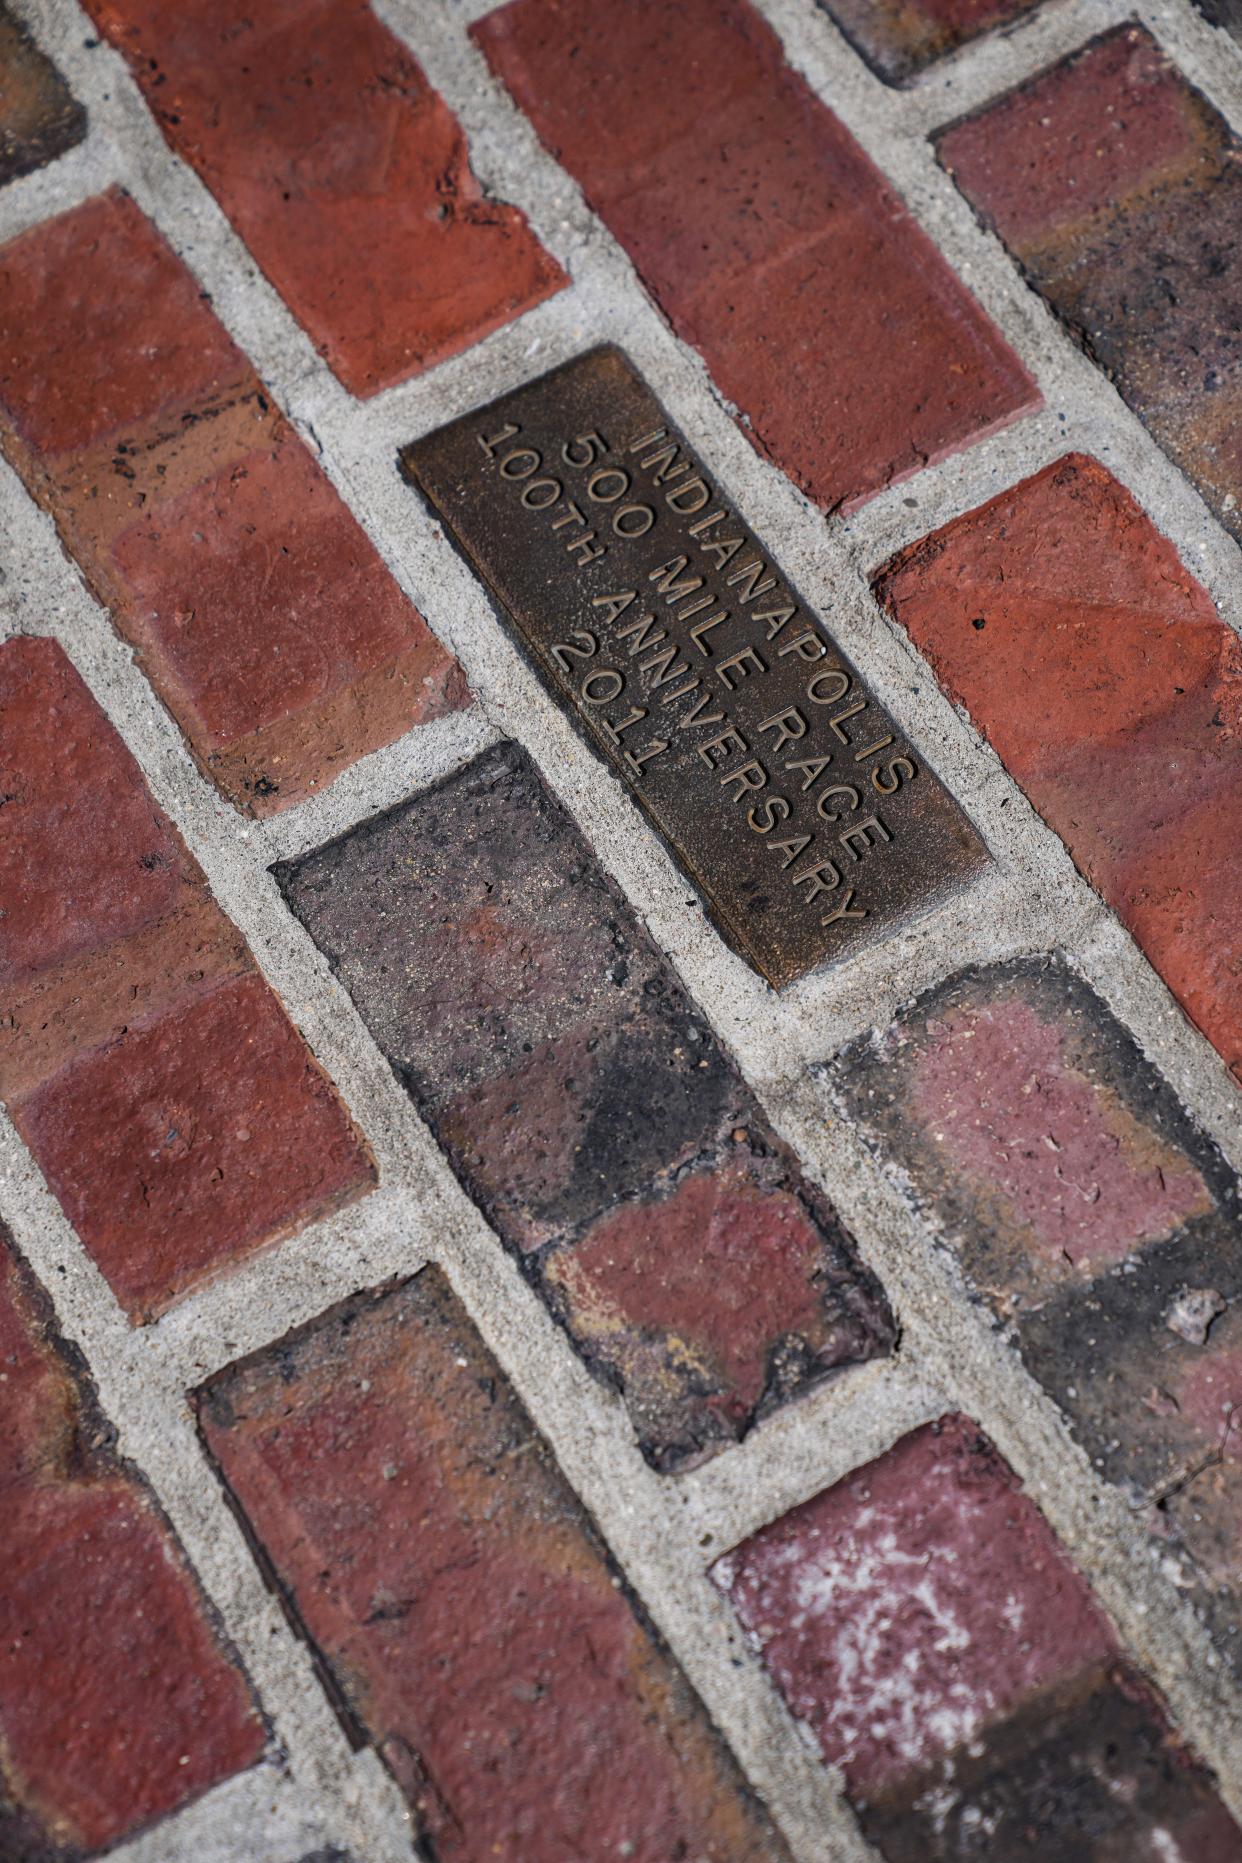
<point>1087,1772</point>
<point>586,1107</point>
<point>361,206</point>
<point>924,1624</point>
<point>1119,191</point>
<point>257,606</point>
<point>1069,628</point>
<point>466,1613</point>
<point>118,1702</point>
<point>1084,1207</point>
<point>734,190</point>
<point>39,119</point>
<point>900,38</point>
<point>174,1110</point>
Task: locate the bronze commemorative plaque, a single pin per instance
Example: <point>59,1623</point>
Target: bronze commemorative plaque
<point>693,666</point>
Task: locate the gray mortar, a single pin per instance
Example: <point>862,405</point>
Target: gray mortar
<point>665,1530</point>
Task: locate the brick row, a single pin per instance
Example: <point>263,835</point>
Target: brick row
<point>1096,1222</point>
<point>1118,189</point>
<point>175,1112</point>
<point>587,1108</point>
<point>119,1701</point>
<point>471,1624</point>
<point>256,605</point>
<point>39,117</point>
<point>1068,627</point>
<point>924,1625</point>
<point>342,169</point>
<point>852,353</point>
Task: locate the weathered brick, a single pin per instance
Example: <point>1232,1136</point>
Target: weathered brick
<point>1070,630</point>
<point>900,38</point>
<point>1087,1772</point>
<point>342,169</point>
<point>587,1108</point>
<point>39,119</point>
<point>175,1112</point>
<point>468,1616</point>
<point>258,608</point>
<point>118,1701</point>
<point>1096,1221</point>
<point>922,1622</point>
<point>735,189</point>
<point>1118,189</point>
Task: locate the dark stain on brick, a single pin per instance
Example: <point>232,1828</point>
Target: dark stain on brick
<point>1089,1771</point>
<point>466,1614</point>
<point>39,119</point>
<point>1118,189</point>
<point>900,38</point>
<point>587,1107</point>
<point>1084,1204</point>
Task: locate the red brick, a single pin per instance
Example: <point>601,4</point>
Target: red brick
<point>1119,191</point>
<point>342,169</point>
<point>916,1601</point>
<point>175,1112</point>
<point>924,1624</point>
<point>39,119</point>
<point>719,1296</point>
<point>464,1607</point>
<point>1067,626</point>
<point>734,190</point>
<point>900,38</point>
<point>259,610</point>
<point>86,857</point>
<point>1028,1125</point>
<point>190,1142</point>
<point>588,1109</point>
<point>118,1702</point>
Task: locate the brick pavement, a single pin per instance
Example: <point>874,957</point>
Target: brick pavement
<point>482,1373</point>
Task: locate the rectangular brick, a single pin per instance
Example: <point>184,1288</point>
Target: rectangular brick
<point>900,38</point>
<point>692,665</point>
<point>39,118</point>
<point>922,1622</point>
<point>587,1108</point>
<point>256,604</point>
<point>734,191</point>
<point>342,169</point>
<point>1118,189</point>
<point>177,1115</point>
<point>119,1701</point>
<point>1096,1221</point>
<point>467,1615</point>
<point>1067,626</point>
